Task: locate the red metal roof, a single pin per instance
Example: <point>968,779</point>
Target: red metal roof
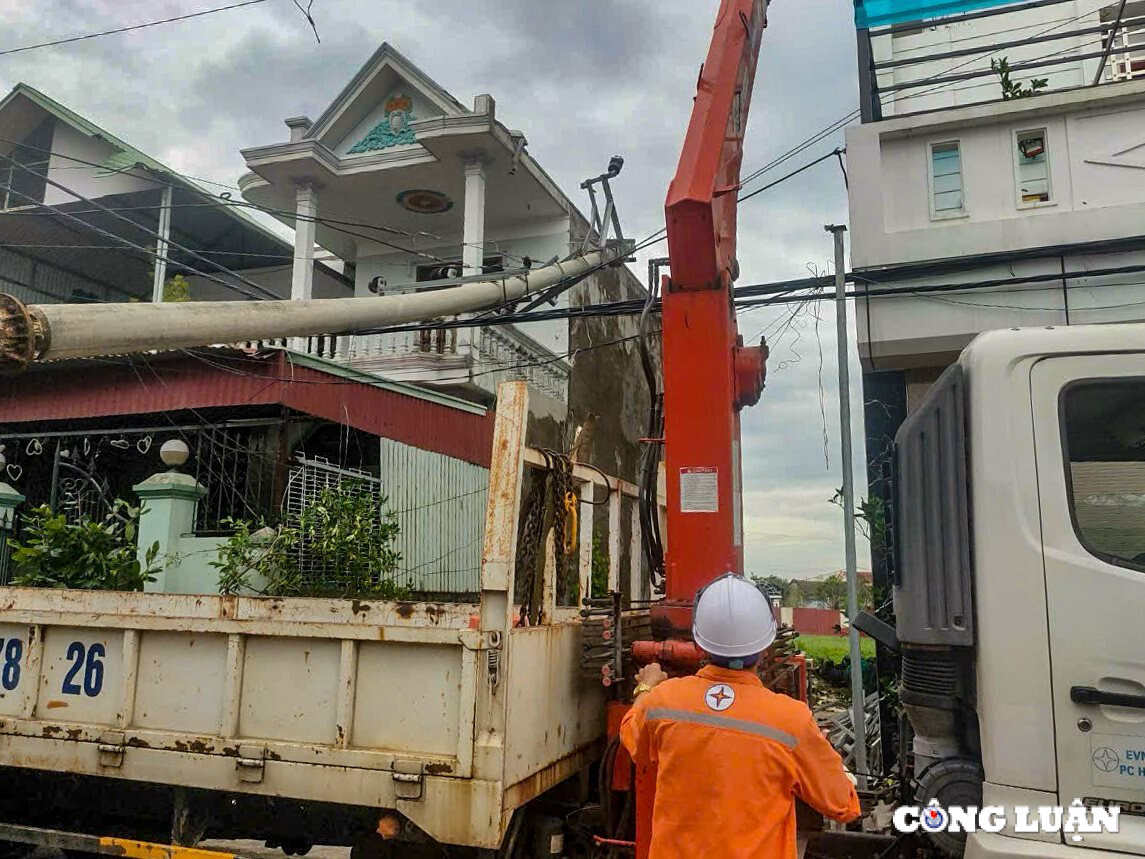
<point>74,390</point>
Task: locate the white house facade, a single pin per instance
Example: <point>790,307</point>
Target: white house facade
<point>413,190</point>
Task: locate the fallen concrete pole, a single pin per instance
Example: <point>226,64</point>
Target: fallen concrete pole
<point>43,332</point>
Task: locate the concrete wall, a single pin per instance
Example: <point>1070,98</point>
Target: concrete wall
<point>89,182</point>
<point>275,278</point>
<point>540,241</point>
<point>928,330</point>
<point>422,109</point>
<point>607,380</point>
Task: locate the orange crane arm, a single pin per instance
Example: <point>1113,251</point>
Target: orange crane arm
<point>708,374</point>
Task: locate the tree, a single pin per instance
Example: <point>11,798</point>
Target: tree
<point>794,596</point>
<point>832,591</point>
<point>52,552</point>
<point>346,536</point>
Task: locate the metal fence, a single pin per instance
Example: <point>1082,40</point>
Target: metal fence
<point>439,504</point>
<point>437,501</point>
<point>309,479</point>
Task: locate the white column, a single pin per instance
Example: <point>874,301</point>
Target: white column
<point>306,208</point>
<point>473,232</point>
<point>161,245</point>
<point>472,235</point>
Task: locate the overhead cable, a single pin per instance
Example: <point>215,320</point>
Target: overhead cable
<point>86,36</point>
<point>259,290</point>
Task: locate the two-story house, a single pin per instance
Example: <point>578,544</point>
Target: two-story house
<point>396,187</point>
<point>415,191</point>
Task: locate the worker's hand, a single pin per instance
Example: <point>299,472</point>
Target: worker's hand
<point>651,675</point>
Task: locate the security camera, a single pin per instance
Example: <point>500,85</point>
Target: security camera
<point>615,165</point>
<point>376,285</point>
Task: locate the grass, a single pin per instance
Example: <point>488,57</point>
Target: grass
<point>833,647</point>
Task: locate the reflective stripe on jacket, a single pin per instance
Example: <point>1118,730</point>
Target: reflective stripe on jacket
<point>730,758</point>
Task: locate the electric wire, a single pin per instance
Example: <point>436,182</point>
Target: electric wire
<point>259,290</point>
<point>845,120</point>
<point>142,249</point>
<point>224,202</point>
<point>86,36</point>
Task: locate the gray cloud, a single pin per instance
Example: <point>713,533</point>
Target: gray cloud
<point>584,80</point>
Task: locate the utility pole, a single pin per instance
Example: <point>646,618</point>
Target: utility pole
<point>858,697</point>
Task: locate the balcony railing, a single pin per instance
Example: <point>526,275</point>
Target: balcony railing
<point>476,358</point>
<point>1127,56</point>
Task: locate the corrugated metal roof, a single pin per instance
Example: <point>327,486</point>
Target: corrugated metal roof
<point>171,382</point>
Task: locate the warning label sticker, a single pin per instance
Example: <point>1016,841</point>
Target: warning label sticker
<point>699,490</point>
<point>1118,761</point>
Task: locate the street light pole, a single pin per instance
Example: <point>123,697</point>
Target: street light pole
<point>858,697</point>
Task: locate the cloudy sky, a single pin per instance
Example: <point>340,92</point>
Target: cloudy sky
<point>584,79</point>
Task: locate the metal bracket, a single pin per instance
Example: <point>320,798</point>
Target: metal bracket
<point>606,222</point>
<point>251,763</point>
<point>409,780</point>
<point>478,639</point>
<point>111,747</point>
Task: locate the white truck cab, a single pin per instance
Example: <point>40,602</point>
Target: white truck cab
<point>1020,583</point>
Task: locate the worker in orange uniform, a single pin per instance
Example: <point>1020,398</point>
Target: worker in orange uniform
<point>730,755</point>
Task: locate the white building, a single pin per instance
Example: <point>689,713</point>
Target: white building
<point>970,211</point>
<point>414,190</point>
<point>1032,199</point>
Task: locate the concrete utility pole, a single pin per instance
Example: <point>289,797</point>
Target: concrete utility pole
<point>30,333</point>
<point>858,697</point>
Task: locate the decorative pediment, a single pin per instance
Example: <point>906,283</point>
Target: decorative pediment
<point>395,128</point>
<point>376,110</point>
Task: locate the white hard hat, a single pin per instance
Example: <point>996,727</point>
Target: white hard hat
<point>733,618</point>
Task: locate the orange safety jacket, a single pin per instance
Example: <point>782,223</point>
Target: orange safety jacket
<point>730,758</point>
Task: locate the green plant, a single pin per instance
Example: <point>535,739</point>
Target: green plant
<point>54,553</point>
<point>599,586</point>
<point>346,537</point>
<point>177,288</point>
<point>793,596</point>
<point>345,531</point>
<point>1011,89</point>
<point>264,561</point>
<point>832,591</point>
<point>871,517</point>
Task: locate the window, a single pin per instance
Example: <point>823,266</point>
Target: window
<point>946,180</point>
<point>1104,440</point>
<point>1031,157</point>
